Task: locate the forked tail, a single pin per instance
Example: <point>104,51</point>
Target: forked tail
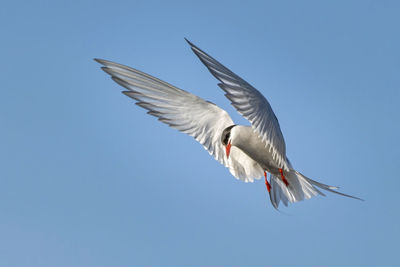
<point>300,187</point>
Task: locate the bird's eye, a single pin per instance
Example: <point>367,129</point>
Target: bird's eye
<point>226,138</point>
<point>226,134</point>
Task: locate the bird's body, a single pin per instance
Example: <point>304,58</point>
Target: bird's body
<point>244,138</point>
<point>248,151</point>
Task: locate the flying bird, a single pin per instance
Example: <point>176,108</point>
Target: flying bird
<point>250,152</point>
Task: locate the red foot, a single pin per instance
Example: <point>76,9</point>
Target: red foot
<point>283,178</point>
<point>266,182</point>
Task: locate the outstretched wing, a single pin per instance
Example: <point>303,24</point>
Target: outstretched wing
<point>179,109</point>
<point>186,112</point>
<point>250,103</point>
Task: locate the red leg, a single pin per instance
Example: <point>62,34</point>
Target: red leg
<point>283,178</point>
<point>266,182</point>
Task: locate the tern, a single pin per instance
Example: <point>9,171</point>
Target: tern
<point>249,152</point>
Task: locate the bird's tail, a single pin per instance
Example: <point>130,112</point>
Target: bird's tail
<point>300,187</point>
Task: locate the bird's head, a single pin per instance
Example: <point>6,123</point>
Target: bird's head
<point>227,140</point>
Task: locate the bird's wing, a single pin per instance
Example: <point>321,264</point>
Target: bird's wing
<point>250,103</point>
<point>184,111</point>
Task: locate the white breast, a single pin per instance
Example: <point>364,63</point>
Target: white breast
<point>244,138</point>
<point>243,167</point>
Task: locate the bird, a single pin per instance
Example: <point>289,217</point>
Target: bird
<point>249,152</point>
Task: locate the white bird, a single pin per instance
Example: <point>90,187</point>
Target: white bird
<point>248,151</point>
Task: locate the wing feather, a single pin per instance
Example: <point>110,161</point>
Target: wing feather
<point>249,102</point>
<point>185,112</point>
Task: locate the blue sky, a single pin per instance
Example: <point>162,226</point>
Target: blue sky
<point>89,179</point>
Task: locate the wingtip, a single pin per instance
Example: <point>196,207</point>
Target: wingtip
<point>189,42</point>
<point>359,198</point>
<point>192,45</point>
<point>99,60</point>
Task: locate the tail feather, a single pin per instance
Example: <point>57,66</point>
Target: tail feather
<point>327,187</point>
<point>279,192</point>
<point>300,188</point>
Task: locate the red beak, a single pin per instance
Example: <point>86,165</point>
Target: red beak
<point>228,149</point>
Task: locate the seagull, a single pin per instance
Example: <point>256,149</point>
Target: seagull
<point>249,152</point>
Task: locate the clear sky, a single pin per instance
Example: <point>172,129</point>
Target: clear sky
<point>87,178</point>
